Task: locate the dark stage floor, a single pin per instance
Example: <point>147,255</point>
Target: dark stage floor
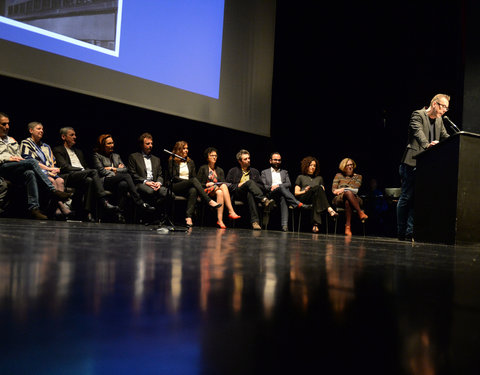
<point>78,298</point>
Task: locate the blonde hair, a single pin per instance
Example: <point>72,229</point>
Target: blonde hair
<point>344,162</point>
<point>438,96</point>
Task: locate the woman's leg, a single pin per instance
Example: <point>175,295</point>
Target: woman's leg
<point>227,200</point>
<point>220,199</point>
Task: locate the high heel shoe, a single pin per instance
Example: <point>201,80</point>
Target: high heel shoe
<point>363,216</point>
<point>234,217</point>
<point>348,231</point>
<point>216,205</point>
<point>221,226</point>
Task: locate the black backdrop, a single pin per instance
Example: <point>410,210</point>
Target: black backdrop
<point>346,78</point>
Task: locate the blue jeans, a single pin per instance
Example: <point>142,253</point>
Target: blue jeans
<point>28,172</point>
<point>405,202</point>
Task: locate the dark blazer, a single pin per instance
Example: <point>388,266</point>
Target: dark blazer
<point>202,174</point>
<point>234,176</point>
<point>266,178</point>
<point>64,162</point>
<point>101,161</point>
<point>418,131</point>
<point>138,170</point>
<point>174,168</point>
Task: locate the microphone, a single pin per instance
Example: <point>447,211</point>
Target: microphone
<point>175,155</point>
<point>457,130</point>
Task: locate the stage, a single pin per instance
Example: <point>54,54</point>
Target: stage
<point>89,298</point>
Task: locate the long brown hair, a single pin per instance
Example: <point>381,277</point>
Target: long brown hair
<point>178,148</point>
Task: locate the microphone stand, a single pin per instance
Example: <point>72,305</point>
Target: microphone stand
<point>171,200</point>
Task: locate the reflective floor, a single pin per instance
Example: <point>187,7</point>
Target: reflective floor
<point>79,298</point>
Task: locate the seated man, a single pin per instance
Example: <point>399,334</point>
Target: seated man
<point>24,171</point>
<point>245,184</point>
<point>146,171</point>
<point>74,171</point>
<point>277,183</point>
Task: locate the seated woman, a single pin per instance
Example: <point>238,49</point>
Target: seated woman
<point>309,189</point>
<point>345,187</point>
<point>212,178</point>
<point>34,148</point>
<point>184,181</point>
<point>115,175</point>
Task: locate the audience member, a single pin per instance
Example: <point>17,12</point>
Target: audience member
<point>212,179</point>
<point>185,182</point>
<point>245,185</point>
<point>277,184</point>
<point>26,172</point>
<point>74,170</point>
<point>35,148</point>
<point>309,189</point>
<point>345,188</point>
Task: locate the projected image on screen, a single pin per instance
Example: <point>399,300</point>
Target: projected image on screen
<point>173,42</point>
<point>89,21</point>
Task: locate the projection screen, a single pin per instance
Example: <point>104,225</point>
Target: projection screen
<point>205,60</point>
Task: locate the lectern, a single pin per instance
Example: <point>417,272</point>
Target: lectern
<point>447,191</point>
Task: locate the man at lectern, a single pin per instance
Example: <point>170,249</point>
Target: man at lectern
<point>425,130</point>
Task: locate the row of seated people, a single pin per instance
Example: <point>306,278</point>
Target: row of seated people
<point>141,179</point>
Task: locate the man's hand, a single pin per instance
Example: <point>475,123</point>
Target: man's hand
<point>16,158</point>
<point>274,187</point>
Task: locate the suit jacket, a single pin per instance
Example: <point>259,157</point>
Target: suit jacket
<point>174,169</point>
<point>266,178</point>
<point>418,131</point>
<point>64,162</point>
<point>101,161</point>
<point>234,176</point>
<point>202,174</point>
<point>138,170</point>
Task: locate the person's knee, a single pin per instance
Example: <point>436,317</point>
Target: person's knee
<point>29,174</point>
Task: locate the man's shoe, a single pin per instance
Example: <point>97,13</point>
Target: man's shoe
<point>304,206</point>
<point>256,226</point>
<point>147,207</point>
<point>37,214</point>
<point>110,207</point>
<point>268,203</point>
<point>61,195</point>
<point>284,228</point>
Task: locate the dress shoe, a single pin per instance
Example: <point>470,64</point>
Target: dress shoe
<point>256,226</point>
<point>104,194</point>
<point>348,231</point>
<point>110,207</point>
<point>37,214</point>
<point>284,228</point>
<point>61,195</point>
<point>146,207</point>
<point>362,216</point>
<point>268,203</point>
<point>234,217</point>
<point>221,225</point>
<point>304,206</point>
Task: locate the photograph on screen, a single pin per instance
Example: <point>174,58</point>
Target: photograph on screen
<point>92,24</point>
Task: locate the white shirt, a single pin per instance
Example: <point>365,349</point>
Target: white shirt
<point>148,166</point>
<point>183,173</point>
<point>74,159</point>
<point>276,177</point>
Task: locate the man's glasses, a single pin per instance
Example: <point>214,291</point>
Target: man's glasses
<point>445,107</point>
